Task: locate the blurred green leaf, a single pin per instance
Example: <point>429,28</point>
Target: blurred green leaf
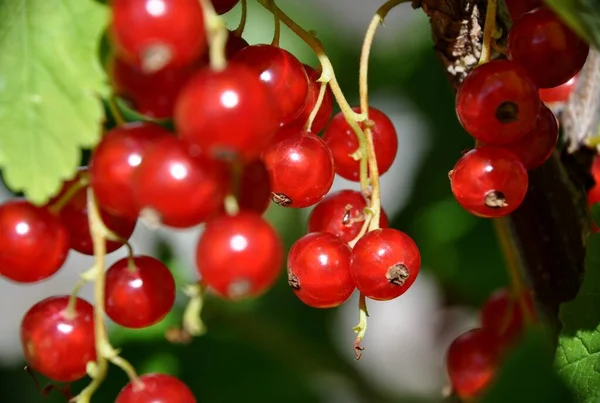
<point>577,357</point>
<point>446,222</point>
<point>131,115</point>
<point>120,335</point>
<point>595,210</point>
<point>583,16</point>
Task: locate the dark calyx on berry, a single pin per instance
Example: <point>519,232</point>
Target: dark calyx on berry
<point>495,199</point>
<point>281,199</point>
<point>293,280</point>
<point>397,274</point>
<point>507,112</point>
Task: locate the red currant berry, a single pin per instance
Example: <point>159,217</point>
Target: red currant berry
<point>342,141</point>
<point>341,213</point>
<point>239,256</point>
<point>58,339</point>
<point>34,243</point>
<point>300,166</point>
<point>223,6</point>
<point>154,34</point>
<point>282,73</point>
<point>560,93</point>
<point>254,191</point>
<point>535,147</point>
<point>140,291</point>
<point>115,160</point>
<point>471,362</point>
<point>156,388</point>
<point>227,112</point>
<point>182,189</point>
<point>234,44</point>
<point>497,103</point>
<point>593,193</point>
<point>503,317</point>
<point>546,47</point>
<point>517,8</point>
<point>489,182</point>
<point>326,109</point>
<point>385,263</point>
<point>318,269</point>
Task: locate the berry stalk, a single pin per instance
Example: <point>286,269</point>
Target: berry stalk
<point>488,31</point>
<point>216,32</point>
<point>240,29</point>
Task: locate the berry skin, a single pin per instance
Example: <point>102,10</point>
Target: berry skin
<point>139,293</point>
<point>385,263</point>
<point>156,388</point>
<point>182,189</point>
<point>517,8</point>
<point>503,317</point>
<point>546,48</point>
<point>535,147</point>
<point>114,162</point>
<point>326,109</point>
<point>489,182</point>
<point>283,75</point>
<point>56,343</point>
<point>239,256</point>
<point>318,268</point>
<point>223,6</point>
<point>34,243</point>
<point>300,166</point>
<point>497,103</point>
<point>471,362</point>
<point>255,187</point>
<point>154,34</point>
<point>560,93</point>
<point>342,141</point>
<point>340,213</point>
<point>226,113</point>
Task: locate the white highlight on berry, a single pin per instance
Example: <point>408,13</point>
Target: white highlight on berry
<point>65,328</point>
<point>230,99</point>
<point>238,243</point>
<point>178,171</point>
<point>22,228</point>
<point>155,7</point>
<point>134,160</point>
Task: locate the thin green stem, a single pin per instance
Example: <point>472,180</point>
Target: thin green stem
<point>216,32</point>
<point>276,30</point>
<point>240,29</point>
<point>361,328</point>
<point>115,111</point>
<point>192,320</point>
<point>313,113</point>
<point>488,31</point>
<point>82,182</point>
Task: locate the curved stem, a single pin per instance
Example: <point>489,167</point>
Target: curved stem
<point>276,30</point>
<point>82,182</point>
<point>315,111</point>
<point>488,31</point>
<point>361,328</point>
<point>216,32</point>
<point>192,320</point>
<point>115,111</point>
<point>240,29</point>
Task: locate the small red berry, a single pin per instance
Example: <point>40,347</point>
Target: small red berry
<point>318,268</point>
<point>324,113</point>
<point>223,6</point>
<point>385,263</point>
<point>546,48</point>
<point>489,181</point>
<point>239,256</point>
<point>254,192</point>
<point>502,315</point>
<point>517,8</point>
<point>34,244</point>
<point>497,103</point>
<point>300,166</point>
<point>56,342</point>
<point>560,93</point>
<point>140,291</point>
<point>156,388</point>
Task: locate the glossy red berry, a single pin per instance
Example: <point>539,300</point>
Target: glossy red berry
<point>489,182</point>
<point>300,166</point>
<point>223,6</point>
<point>283,75</point>
<point>502,315</point>
<point>385,263</point>
<point>239,256</point>
<point>156,388</point>
<point>324,114</point>
<point>254,191</point>
<point>58,342</point>
<point>341,213</point>
<point>33,243</point>
<point>226,113</point>
<point>114,162</point>
<point>546,48</point>
<point>154,34</point>
<point>537,145</point>
<point>318,268</point>
<point>594,192</point>
<point>517,8</point>
<point>560,93</point>
<point>497,103</point>
<point>342,141</point>
<point>139,291</point>
<point>180,188</point>
<point>471,362</point>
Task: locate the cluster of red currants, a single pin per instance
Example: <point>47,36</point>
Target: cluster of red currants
<point>502,104</point>
<point>474,357</point>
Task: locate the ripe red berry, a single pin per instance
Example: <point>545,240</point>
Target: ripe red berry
<point>517,8</point>
<point>342,141</point>
<point>254,192</point>
<point>341,213</point>
<point>471,362</point>
<point>226,113</point>
<point>560,93</point>
<point>114,162</point>
<point>537,145</point>
<point>497,103</point>
<point>594,192</point>
<point>300,166</point>
<point>326,109</point>
<point>58,342</point>
<point>546,48</point>
<point>489,181</point>
<point>385,263</point>
<point>181,188</point>
<point>223,6</point>
<point>503,317</point>
<point>154,34</point>
<point>34,243</point>
<point>156,388</point>
<point>318,269</point>
<point>239,256</point>
<point>283,75</point>
<point>139,291</point>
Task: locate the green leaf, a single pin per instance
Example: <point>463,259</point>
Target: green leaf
<point>578,355</point>
<point>131,115</point>
<point>583,16</point>
<point>595,210</point>
<point>51,82</point>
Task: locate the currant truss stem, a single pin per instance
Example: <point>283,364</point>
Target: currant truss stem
<point>361,328</point>
<point>313,113</point>
<point>276,30</point>
<point>115,111</point>
<point>192,320</point>
<point>240,29</point>
<point>488,31</point>
<point>216,32</point>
